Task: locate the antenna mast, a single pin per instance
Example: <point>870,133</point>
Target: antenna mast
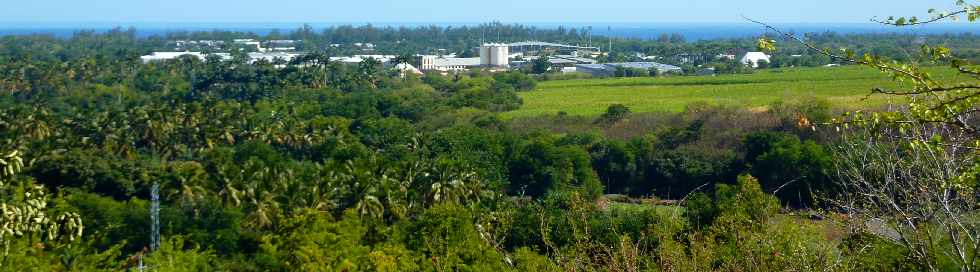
<point>610,38</point>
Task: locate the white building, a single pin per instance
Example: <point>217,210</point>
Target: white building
<point>443,64</point>
<point>250,42</point>
<point>753,59</point>
<point>162,56</point>
<point>270,57</point>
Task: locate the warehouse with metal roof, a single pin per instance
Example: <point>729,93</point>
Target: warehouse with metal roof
<point>609,69</point>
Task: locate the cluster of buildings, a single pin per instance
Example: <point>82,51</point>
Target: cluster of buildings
<point>253,56</point>
<point>218,45</point>
<point>268,46</point>
<point>492,56</point>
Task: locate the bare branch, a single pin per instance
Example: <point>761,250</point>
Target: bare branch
<point>932,20</point>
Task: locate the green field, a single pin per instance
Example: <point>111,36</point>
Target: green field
<point>846,87</point>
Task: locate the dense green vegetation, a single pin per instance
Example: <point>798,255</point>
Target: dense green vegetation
<point>318,166</point>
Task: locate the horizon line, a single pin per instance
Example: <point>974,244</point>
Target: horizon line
<point>868,22</point>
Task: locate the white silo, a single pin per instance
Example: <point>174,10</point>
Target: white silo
<point>485,54</point>
<point>499,55</point>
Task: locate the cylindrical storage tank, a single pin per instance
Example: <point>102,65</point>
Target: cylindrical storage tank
<point>501,56</point>
<point>485,55</point>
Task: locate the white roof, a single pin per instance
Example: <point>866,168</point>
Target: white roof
<point>158,56</point>
<point>272,56</point>
<point>405,67</point>
<point>169,55</point>
<point>444,62</point>
<point>755,56</point>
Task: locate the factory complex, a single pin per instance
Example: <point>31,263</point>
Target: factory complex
<point>492,57</point>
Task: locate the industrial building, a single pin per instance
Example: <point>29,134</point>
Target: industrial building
<point>609,69</point>
<point>250,43</point>
<point>182,45</point>
<point>493,56</point>
<point>281,45</point>
<point>359,58</point>
<point>533,46</point>
<point>444,64</point>
<point>566,63</point>
<point>162,56</point>
<point>253,57</point>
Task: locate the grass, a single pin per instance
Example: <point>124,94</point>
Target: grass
<point>637,207</point>
<point>846,87</point>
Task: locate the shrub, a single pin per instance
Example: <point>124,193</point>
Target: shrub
<point>525,259</point>
<point>868,252</point>
<point>740,203</point>
<point>614,113</point>
<point>447,236</point>
<point>174,255</point>
<point>792,169</point>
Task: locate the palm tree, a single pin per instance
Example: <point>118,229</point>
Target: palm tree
<point>370,206</point>
<point>404,58</point>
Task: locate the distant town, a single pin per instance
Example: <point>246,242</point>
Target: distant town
<point>561,58</point>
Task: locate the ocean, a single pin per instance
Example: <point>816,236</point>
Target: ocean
<point>691,31</point>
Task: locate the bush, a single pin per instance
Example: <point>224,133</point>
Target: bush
<point>526,259</point>
<point>517,80</point>
<point>614,113</point>
<point>792,169</point>
<point>539,166</point>
<point>88,170</point>
<point>450,242</point>
<point>741,203</point>
<point>868,252</point>
<point>174,255</point>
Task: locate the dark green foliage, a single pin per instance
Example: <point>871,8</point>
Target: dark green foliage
<point>519,81</point>
<point>86,170</point>
<point>614,113</point>
<point>740,203</point>
<point>615,163</point>
<point>389,136</point>
<point>540,65</point>
<point>112,222</point>
<point>632,72</point>
<point>320,166</point>
<point>539,166</point>
<point>787,167</point>
<point>491,99</point>
<point>701,209</point>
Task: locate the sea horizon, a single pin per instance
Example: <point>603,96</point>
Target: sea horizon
<point>693,31</point>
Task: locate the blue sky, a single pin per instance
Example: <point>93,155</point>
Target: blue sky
<point>510,11</point>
